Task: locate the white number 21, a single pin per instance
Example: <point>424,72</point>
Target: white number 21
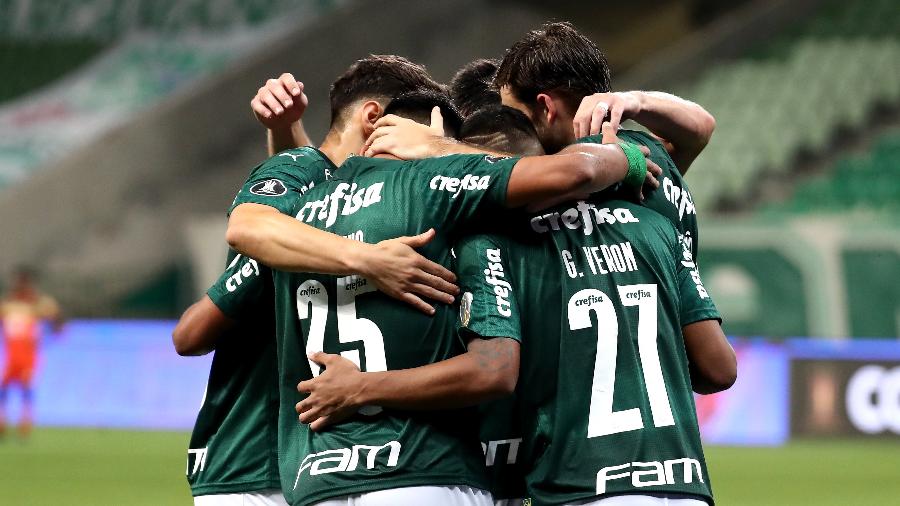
<point>602,420</point>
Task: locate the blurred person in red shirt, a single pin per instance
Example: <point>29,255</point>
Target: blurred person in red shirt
<point>22,309</point>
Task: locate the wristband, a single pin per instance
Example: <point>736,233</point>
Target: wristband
<point>637,165</point>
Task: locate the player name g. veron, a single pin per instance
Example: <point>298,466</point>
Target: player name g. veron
<point>583,216</point>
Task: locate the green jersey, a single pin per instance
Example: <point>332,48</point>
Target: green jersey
<point>234,442</point>
<point>371,200</point>
<point>598,302</point>
<point>233,446</point>
<point>673,197</point>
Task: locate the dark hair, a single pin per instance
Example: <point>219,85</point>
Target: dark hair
<point>377,77</point>
<point>472,87</point>
<point>417,106</point>
<point>502,128</point>
<point>556,57</point>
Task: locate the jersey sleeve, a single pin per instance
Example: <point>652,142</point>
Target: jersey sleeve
<point>239,288</point>
<point>488,306</point>
<point>282,179</point>
<point>696,303</point>
<point>471,184</point>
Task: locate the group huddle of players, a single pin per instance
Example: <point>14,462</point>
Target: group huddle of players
<point>481,293</point>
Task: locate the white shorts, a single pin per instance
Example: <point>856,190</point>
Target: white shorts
<point>262,498</point>
<point>416,496</point>
<point>640,500</point>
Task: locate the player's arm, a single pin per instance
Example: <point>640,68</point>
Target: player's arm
<point>279,106</point>
<point>284,243</point>
<point>199,328</point>
<point>684,126</point>
<point>50,311</point>
<point>487,371</point>
<point>712,362</point>
<point>237,292</point>
<point>576,171</point>
<point>409,140</point>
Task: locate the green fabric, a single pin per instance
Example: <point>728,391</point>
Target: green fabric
<point>585,277</point>
<point>673,198</point>
<point>372,200</point>
<point>289,174</point>
<point>233,446</point>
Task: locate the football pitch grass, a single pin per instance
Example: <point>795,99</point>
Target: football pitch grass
<point>111,467</point>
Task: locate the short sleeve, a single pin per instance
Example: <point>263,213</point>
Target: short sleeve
<point>240,287</point>
<point>471,184</point>
<point>282,179</point>
<point>696,303</point>
<point>488,305</point>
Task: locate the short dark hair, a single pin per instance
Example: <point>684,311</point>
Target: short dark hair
<point>417,106</point>
<point>556,57</point>
<point>472,87</point>
<point>502,128</point>
<point>377,77</point>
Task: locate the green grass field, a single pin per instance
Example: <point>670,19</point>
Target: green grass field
<point>105,467</point>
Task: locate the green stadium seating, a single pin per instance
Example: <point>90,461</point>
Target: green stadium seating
<point>794,94</point>
<point>860,183</point>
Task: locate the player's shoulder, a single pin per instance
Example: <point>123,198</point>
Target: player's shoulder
<point>292,161</point>
<point>462,161</point>
<point>648,219</point>
<point>658,152</point>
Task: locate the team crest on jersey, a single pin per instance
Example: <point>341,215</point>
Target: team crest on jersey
<point>269,188</point>
<point>465,309</point>
<point>494,159</point>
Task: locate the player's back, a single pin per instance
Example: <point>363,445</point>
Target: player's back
<point>373,200</point>
<point>673,198</point>
<point>604,388</point>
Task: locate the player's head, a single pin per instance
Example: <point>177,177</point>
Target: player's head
<point>22,279</point>
<point>546,74</point>
<point>472,87</point>
<point>417,106</point>
<point>502,128</point>
<point>358,97</point>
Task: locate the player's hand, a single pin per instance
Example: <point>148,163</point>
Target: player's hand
<point>405,138</point>
<point>610,136</point>
<point>402,273</point>
<point>332,395</point>
<point>595,109</point>
<point>279,103</point>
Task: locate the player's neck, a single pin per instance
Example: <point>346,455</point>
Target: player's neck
<point>341,144</point>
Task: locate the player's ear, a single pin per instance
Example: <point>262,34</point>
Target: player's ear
<point>370,112</point>
<point>546,108</point>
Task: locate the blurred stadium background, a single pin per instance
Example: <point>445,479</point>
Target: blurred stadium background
<point>126,131</point>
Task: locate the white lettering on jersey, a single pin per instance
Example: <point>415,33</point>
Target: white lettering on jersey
<point>250,268</point>
<point>347,459</point>
<point>605,258</point>
<point>494,276</point>
<point>688,261</point>
<point>199,461</point>
<point>455,185</point>
<point>679,197</point>
<point>490,450</point>
<point>583,216</point>
<point>648,474</point>
<point>346,199</point>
